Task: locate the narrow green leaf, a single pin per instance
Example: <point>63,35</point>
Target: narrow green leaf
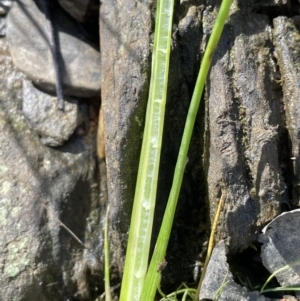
<point>154,275</point>
<point>137,254</point>
<point>287,266</point>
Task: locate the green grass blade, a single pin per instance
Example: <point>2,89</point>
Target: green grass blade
<point>137,254</point>
<point>191,292</point>
<point>153,276</point>
<point>287,266</point>
<point>282,289</point>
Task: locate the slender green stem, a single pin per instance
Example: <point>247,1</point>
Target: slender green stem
<point>282,289</point>
<point>153,276</point>
<point>289,265</point>
<point>185,291</point>
<point>140,231</point>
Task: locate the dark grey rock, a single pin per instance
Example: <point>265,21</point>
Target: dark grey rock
<point>243,117</point>
<point>281,245</point>
<point>125,66</point>
<point>287,49</point>
<point>218,280</point>
<point>53,125</point>
<point>241,154</point>
<point>29,46</point>
<point>39,186</point>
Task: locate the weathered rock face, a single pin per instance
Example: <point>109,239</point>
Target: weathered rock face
<point>242,136</point>
<point>46,194</point>
<point>286,40</point>
<point>243,117</point>
<point>39,187</point>
<point>125,63</point>
<point>28,38</point>
<point>219,277</point>
<point>280,248</point>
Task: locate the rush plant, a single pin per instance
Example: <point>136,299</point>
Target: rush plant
<point>140,281</point>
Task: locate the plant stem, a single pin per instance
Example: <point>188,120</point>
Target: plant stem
<point>153,277</point>
<point>140,231</point>
<point>211,242</point>
<point>289,265</point>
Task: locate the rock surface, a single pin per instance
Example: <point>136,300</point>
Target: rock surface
<point>281,244</point>
<point>125,66</point>
<point>286,40</point>
<point>243,154</point>
<point>218,280</point>
<point>241,133</point>
<point>29,46</point>
<point>53,125</point>
<point>41,187</point>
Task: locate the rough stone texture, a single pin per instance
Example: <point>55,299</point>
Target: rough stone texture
<point>125,26</point>
<point>242,148</point>
<point>286,40</point>
<point>28,40</point>
<point>39,186</point>
<point>219,278</point>
<point>243,124</point>
<point>243,117</point>
<point>76,8</point>
<point>281,244</point>
<point>53,125</point>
